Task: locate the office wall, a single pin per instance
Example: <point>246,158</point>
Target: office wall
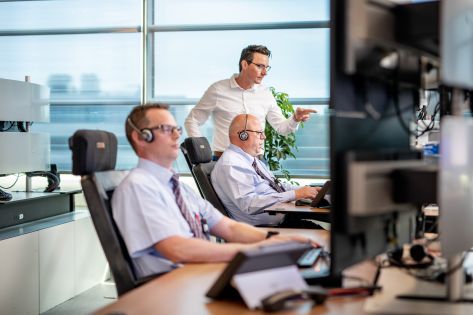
<point>42,269</point>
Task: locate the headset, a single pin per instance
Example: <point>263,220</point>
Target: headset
<point>53,180</point>
<point>145,133</point>
<point>417,254</point>
<point>243,135</point>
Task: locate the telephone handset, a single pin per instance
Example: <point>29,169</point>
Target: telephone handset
<point>289,298</point>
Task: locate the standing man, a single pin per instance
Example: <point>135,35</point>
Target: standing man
<point>243,93</point>
<point>163,221</point>
<point>246,186</point>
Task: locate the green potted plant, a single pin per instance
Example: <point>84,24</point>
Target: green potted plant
<point>278,147</point>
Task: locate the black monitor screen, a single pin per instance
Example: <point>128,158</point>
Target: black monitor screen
<point>372,107</point>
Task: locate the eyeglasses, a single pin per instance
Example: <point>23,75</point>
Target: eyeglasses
<point>261,66</point>
<point>260,133</point>
<point>167,129</point>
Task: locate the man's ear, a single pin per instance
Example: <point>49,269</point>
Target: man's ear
<point>137,139</point>
<point>244,64</point>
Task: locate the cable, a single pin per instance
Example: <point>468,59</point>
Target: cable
<point>431,125</point>
<point>363,282</point>
<point>395,94</point>
<point>54,181</point>
<point>362,84</point>
<point>23,126</point>
<point>422,115</point>
<point>12,123</point>
<point>16,180</point>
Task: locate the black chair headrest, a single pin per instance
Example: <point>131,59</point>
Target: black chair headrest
<point>198,150</point>
<point>93,151</point>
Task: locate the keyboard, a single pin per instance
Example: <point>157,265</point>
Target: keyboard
<point>303,202</point>
<point>309,258</point>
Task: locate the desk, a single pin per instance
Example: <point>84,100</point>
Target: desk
<point>182,291</point>
<point>302,212</point>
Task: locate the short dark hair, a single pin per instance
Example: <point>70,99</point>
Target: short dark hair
<point>138,118</point>
<point>247,53</point>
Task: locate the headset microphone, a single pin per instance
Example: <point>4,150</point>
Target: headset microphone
<point>243,135</point>
<point>145,133</point>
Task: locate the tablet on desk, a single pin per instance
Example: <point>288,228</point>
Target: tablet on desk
<point>318,201</point>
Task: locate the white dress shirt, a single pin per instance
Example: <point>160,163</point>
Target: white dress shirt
<point>224,100</point>
<point>145,210</point>
<point>243,192</point>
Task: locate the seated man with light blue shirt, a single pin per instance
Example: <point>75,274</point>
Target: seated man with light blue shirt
<point>244,184</point>
<point>162,221</point>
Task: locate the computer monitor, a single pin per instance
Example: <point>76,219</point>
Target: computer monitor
<point>375,79</point>
<point>456,159</point>
<point>457,43</point>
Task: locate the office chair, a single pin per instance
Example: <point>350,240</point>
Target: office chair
<point>93,158</point>
<point>189,164</point>
<point>198,155</point>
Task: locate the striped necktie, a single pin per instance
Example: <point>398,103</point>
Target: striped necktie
<point>272,182</point>
<point>194,222</point>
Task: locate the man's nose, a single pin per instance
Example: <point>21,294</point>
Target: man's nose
<point>176,134</point>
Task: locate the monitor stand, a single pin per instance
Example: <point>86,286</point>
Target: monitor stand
<point>454,281</point>
<point>404,294</point>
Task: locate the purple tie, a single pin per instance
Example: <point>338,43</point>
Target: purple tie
<point>272,182</point>
<point>193,222</point>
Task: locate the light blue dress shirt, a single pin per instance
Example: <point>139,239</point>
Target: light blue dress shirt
<point>243,192</point>
<point>145,210</point>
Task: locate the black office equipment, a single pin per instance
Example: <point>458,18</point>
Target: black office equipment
<point>198,155</point>
<point>319,201</point>
<point>309,258</point>
<point>263,258</point>
<point>94,157</point>
<point>373,94</point>
<point>92,150</point>
<point>288,298</point>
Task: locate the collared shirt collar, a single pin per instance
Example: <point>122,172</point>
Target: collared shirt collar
<point>161,173</point>
<point>234,84</point>
<point>238,150</point>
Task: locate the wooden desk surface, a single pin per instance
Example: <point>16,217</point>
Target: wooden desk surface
<point>182,291</point>
<point>302,212</point>
<point>290,207</point>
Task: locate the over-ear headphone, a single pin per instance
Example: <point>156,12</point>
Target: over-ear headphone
<point>243,135</point>
<point>416,258</point>
<point>145,133</point>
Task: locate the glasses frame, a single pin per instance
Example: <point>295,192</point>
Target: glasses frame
<point>166,129</point>
<point>261,66</point>
<point>260,133</point>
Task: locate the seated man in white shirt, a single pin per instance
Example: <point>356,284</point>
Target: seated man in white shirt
<point>162,221</point>
<point>245,185</point>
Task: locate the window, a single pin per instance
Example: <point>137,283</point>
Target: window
<point>92,61</point>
